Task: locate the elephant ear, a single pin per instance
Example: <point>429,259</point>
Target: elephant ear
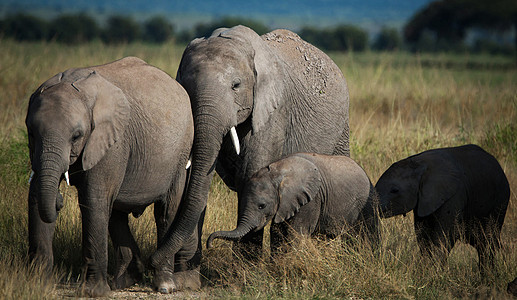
<point>440,182</point>
<point>268,68</point>
<point>111,112</point>
<point>298,186</point>
<point>218,31</point>
<point>50,82</point>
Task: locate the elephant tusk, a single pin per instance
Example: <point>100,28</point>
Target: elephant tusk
<point>30,177</point>
<point>67,178</point>
<point>189,162</point>
<point>235,140</point>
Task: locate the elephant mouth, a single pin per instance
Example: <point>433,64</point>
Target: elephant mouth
<point>237,133</point>
<point>65,175</point>
<point>385,211</point>
<point>258,228</point>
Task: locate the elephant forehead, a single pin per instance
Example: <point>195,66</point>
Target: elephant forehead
<point>400,169</point>
<point>58,100</point>
<point>217,51</point>
<point>225,74</point>
<point>52,108</point>
<point>260,185</point>
<point>217,47</point>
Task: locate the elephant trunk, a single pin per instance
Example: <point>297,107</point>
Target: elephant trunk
<point>48,178</point>
<point>233,235</point>
<point>247,222</point>
<point>205,149</point>
<point>384,209</point>
<point>40,233</point>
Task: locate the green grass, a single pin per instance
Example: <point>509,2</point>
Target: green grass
<point>400,104</point>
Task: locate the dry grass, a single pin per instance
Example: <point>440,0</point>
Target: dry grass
<point>400,105</point>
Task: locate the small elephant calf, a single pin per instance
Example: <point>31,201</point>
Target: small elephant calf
<point>459,192</point>
<point>310,193</point>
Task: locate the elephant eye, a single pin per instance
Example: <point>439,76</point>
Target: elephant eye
<point>236,84</point>
<point>261,206</point>
<point>76,136</point>
<point>394,190</point>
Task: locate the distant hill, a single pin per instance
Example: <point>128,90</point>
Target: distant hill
<point>291,14</point>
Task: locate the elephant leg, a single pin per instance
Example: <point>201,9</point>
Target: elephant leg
<point>180,271</point>
<point>369,221</point>
<point>185,273</point>
<point>486,238</point>
<point>128,264</point>
<point>278,238</point>
<point>250,246</point>
<point>95,248</point>
<point>187,263</point>
<point>40,238</point>
<point>371,230</point>
<point>432,248</point>
<point>432,240</point>
<point>164,215</point>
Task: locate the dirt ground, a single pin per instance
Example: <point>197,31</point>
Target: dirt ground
<point>134,292</point>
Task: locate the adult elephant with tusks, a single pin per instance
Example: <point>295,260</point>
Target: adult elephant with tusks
<point>121,133</point>
<point>269,96</point>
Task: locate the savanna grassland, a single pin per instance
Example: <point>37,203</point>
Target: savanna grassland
<point>400,104</point>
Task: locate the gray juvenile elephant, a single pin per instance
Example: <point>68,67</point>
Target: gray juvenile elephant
<point>313,194</point>
<point>271,95</point>
<point>122,134</point>
<point>455,193</point>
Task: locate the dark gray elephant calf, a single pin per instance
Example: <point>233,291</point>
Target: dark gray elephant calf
<point>308,193</point>
<point>123,131</point>
<point>459,192</point>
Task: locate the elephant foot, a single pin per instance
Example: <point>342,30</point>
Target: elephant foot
<point>163,282</point>
<point>512,287</point>
<point>125,280</point>
<point>99,289</point>
<point>188,280</point>
<point>43,262</point>
<point>166,282</point>
<point>128,277</point>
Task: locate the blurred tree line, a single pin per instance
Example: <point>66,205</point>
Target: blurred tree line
<point>81,28</point>
<point>443,26</point>
<point>440,26</point>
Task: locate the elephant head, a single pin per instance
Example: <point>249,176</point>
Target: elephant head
<point>277,193</point>
<point>422,182</point>
<point>72,119</point>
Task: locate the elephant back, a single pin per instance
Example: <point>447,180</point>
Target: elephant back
<point>311,65</point>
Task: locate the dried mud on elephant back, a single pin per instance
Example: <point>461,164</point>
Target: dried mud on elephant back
<point>314,67</point>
